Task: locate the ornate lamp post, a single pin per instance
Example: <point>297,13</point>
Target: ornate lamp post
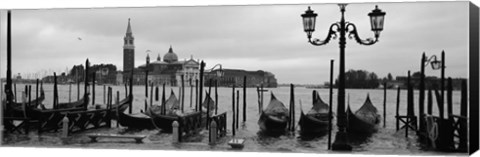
<point>219,72</point>
<point>342,28</point>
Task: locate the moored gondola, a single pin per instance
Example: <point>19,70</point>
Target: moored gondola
<point>365,120</point>
<point>315,122</point>
<point>135,121</point>
<point>162,120</point>
<point>274,119</point>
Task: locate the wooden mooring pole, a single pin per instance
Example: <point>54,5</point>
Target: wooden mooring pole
<point>151,95</point>
<point>237,111</point>
<point>55,91</point>
<point>216,96</point>
<point>164,108</point>
<point>156,93</point>
<point>104,88</point>
<point>93,89</point>
<point>78,90</point>
<point>191,93</point>
<point>118,102</point>
<point>463,129</point>
<point>69,92</point>
<point>449,98</point>
<point>36,94</point>
<point>330,101</point>
<point>233,109</point>
<point>126,91</point>
<point>196,94</point>
<point>244,98</point>
<point>397,110</point>
<point>15,92</point>
<point>429,102</point>
<point>421,97</point>
<point>384,104</point>
<point>200,97</point>
<point>183,93</point>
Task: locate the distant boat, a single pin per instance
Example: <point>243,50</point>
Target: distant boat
<point>315,122</point>
<point>365,120</point>
<point>274,119</point>
<point>164,121</point>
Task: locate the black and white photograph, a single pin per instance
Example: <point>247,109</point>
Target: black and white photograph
<point>374,78</point>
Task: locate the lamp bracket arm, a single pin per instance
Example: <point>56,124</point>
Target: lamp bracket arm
<point>332,34</point>
<point>352,33</point>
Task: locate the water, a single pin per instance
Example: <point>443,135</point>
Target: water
<point>385,141</point>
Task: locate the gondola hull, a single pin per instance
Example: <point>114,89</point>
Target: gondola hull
<point>357,125</point>
<point>273,125</point>
<point>164,122</point>
<point>135,121</point>
<point>313,126</point>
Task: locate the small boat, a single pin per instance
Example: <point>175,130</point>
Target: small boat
<point>365,120</point>
<point>135,121</point>
<point>121,106</point>
<point>315,122</point>
<point>274,119</point>
<point>16,109</point>
<point>164,121</point>
<point>77,104</point>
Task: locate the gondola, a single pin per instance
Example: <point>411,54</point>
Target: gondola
<point>274,119</point>
<point>164,121</point>
<point>315,122</point>
<point>121,106</point>
<point>365,120</point>
<point>211,104</point>
<point>135,121</point>
<point>77,104</point>
<point>16,109</point>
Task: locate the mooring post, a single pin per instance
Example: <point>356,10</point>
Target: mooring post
<point>213,133</point>
<point>183,93</point>
<point>29,95</point>
<point>78,90</point>
<point>258,97</point>
<point>36,94</point>
<point>175,132</point>
<point>409,105</point>
<point>449,98</point>
<point>196,94</point>
<point>164,108</point>
<point>208,110</point>
<point>384,104</point>
<point>93,89</point>
<point>117,102</point>
<point>292,102</point>
<point>130,105</point>
<point>463,130</point>
<point>15,91</point>
<point>109,107</point>
<point>216,97</point>
<point>55,91</point>
<point>151,95</point>
<point>397,109</point>
<point>104,94</point>
<point>157,97</point>
<point>261,94</point>
<point>69,92</point>
<point>421,97</point>
<point>126,91</point>
<point>330,115</point>
<point>244,98</point>
<point>238,109</point>
<point>146,106</point>
<point>65,122</point>
<point>233,109</point>
<point>429,102</point>
<point>191,92</point>
<point>200,97</point>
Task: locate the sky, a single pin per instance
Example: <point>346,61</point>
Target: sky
<point>250,37</point>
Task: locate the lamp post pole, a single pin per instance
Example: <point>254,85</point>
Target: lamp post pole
<point>342,27</point>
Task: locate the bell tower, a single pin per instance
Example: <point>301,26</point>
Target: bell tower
<point>128,50</point>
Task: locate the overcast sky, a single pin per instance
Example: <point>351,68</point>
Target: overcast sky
<point>259,37</point>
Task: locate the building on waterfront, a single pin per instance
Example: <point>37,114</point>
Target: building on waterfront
<point>235,77</point>
<point>168,71</point>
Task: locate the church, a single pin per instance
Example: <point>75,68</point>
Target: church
<point>168,71</point>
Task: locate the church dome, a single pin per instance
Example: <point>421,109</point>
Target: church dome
<point>170,56</point>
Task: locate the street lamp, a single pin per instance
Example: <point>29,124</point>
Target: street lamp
<point>436,64</point>
<point>342,28</point>
<point>218,72</point>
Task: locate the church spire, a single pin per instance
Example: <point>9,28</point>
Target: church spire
<point>170,50</point>
<point>129,28</point>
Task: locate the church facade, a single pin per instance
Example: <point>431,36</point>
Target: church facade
<point>168,71</point>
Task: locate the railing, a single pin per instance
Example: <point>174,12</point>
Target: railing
<point>190,124</point>
<point>460,133</point>
<point>84,120</point>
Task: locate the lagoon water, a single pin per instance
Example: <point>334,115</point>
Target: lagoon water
<point>385,141</point>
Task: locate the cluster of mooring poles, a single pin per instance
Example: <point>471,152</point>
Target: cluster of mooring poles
<point>435,132</point>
